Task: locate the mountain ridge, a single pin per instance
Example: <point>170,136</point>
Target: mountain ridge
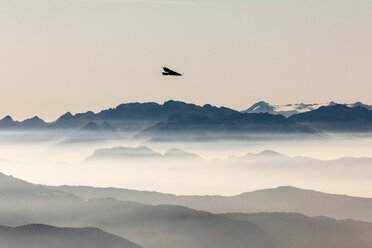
<point>162,226</point>
<point>152,120</point>
<point>46,236</point>
<point>291,109</point>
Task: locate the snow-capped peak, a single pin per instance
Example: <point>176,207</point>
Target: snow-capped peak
<point>296,108</point>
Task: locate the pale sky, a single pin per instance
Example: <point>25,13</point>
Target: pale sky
<point>78,55</point>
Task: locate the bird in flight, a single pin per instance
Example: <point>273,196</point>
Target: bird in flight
<point>169,72</point>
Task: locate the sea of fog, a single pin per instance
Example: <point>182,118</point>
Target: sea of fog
<point>43,159</point>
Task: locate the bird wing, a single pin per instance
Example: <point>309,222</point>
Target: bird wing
<point>170,72</point>
<point>176,73</point>
<point>167,69</point>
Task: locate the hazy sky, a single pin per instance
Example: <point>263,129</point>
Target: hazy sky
<point>78,55</point>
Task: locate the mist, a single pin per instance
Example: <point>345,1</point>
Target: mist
<point>217,169</point>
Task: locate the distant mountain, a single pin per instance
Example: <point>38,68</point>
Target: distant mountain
<point>359,104</point>
<point>276,161</point>
<point>33,123</point>
<point>92,132</point>
<point>125,115</point>
<point>337,118</point>
<point>267,164</point>
<point>285,110</point>
<point>288,110</point>
<point>155,111</point>
<point>261,107</point>
<point>68,121</point>
<point>8,122</point>
<point>43,236</point>
<point>180,120</point>
<point>179,154</point>
<point>91,127</point>
<point>105,127</point>
<point>236,125</point>
<point>266,154</point>
<point>158,121</point>
<point>121,153</point>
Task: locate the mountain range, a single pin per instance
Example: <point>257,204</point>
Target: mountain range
<point>337,118</point>
<point>281,199</point>
<point>164,226</point>
<point>184,120</point>
<point>45,236</point>
<point>266,164</point>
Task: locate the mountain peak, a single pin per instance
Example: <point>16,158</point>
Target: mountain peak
<point>65,116</point>
<point>91,126</point>
<point>121,152</point>
<point>34,119</point>
<point>177,153</point>
<point>260,107</point>
<point>270,153</point>
<point>7,118</point>
<point>107,127</point>
<point>171,102</point>
<point>8,122</point>
<point>34,122</point>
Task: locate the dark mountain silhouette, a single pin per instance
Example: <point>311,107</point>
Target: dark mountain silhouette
<point>136,116</point>
<point>33,123</point>
<point>337,118</point>
<point>8,122</point>
<point>155,111</point>
<point>69,121</point>
<point>359,104</point>
<point>44,236</point>
<point>153,120</point>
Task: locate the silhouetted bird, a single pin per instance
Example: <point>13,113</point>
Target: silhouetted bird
<point>169,72</point>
